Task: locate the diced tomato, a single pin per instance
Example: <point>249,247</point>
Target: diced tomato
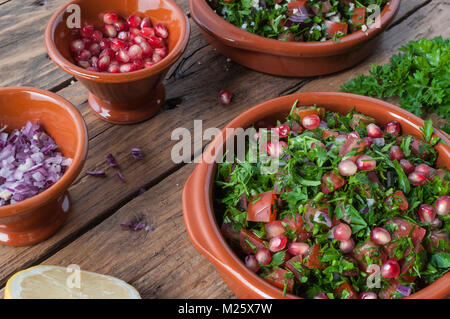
<point>260,208</point>
<point>437,236</point>
<point>406,265</point>
<point>295,223</point>
<point>346,286</point>
<point>358,118</point>
<point>326,7</point>
<point>389,290</point>
<point>405,228</point>
<point>354,272</point>
<point>331,182</point>
<point>371,251</point>
<point>296,128</point>
<point>353,143</point>
<point>301,112</point>
<point>328,133</point>
<point>312,261</point>
<point>278,279</point>
<point>335,27</point>
<point>358,17</point>
<point>274,229</point>
<point>254,240</point>
<point>290,264</point>
<point>295,5</point>
<point>229,232</point>
<point>311,212</point>
<point>416,146</point>
<point>397,199</point>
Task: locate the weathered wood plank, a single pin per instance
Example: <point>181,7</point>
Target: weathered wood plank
<point>161,204</point>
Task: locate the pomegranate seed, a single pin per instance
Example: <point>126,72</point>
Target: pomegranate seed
<point>321,295</point>
<point>87,31</point>
<point>347,246</point>
<point>396,153</point>
<point>379,141</point>
<point>274,229</point>
<point>353,134</point>
<point>123,35</point>
<point>277,243</point>
<point>276,149</point>
<point>368,141</point>
<point>139,39</point>
<point>424,169</point>
<point>156,58</point>
<point>147,50</point>
<point>251,263</point>
<point>365,163</point>
<point>310,122</point>
<point>138,64</point>
<point>83,55</point>
<point>161,51</point>
<point>392,128</point>
<point>94,62</point>
<point>97,36</point>
<point>298,249</point>
<point>442,205</point>
<point>436,224</point>
<point>263,256</point>
<point>342,232</point>
<point>77,45</point>
<point>368,295</point>
<point>109,30</point>
<point>105,43</point>
<point>282,130</point>
<point>390,269</point>
<point>122,56</point>
<point>84,64</point>
<point>161,31</point>
<point>225,97</point>
<point>148,64</point>
<point>107,52</point>
<point>133,32</point>
<point>380,236</point>
<point>347,168</point>
<point>110,17</point>
<point>87,42</point>
<point>125,68</point>
<point>103,62</point>
<point>120,25</point>
<point>95,49</point>
<point>426,213</point>
<point>156,42</point>
<point>113,68</point>
<point>407,166</point>
<point>134,21</point>
<point>417,178</point>
<point>374,131</point>
<point>135,52</point>
<point>146,23</point>
<point>92,69</point>
<point>117,44</point>
<point>147,32</point>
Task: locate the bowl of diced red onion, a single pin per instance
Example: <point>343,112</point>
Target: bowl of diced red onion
<point>43,147</point>
<point>120,51</point>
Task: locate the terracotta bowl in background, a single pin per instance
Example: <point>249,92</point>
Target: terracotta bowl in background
<point>121,98</point>
<point>38,217</point>
<point>288,58</point>
<point>198,192</point>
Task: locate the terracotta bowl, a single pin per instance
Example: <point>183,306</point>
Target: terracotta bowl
<point>287,58</point>
<point>198,193</point>
<point>121,98</point>
<point>37,218</point>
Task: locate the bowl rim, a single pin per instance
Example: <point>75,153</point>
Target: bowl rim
<point>79,72</point>
<point>233,36</point>
<point>204,173</point>
<point>77,162</point>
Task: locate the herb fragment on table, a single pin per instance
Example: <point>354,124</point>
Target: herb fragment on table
<point>120,177</point>
<point>111,160</point>
<point>136,224</point>
<point>96,173</point>
<point>137,153</point>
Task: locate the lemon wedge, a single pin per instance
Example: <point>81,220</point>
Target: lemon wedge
<point>54,282</point>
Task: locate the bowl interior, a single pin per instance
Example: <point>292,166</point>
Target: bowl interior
<point>165,12</point>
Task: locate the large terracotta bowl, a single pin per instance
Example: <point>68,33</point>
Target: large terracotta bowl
<point>38,217</point>
<point>288,58</point>
<point>198,211</point>
<point>121,98</point>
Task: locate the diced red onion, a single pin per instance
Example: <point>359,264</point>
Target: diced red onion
<point>111,160</point>
<point>322,218</point>
<point>404,290</point>
<point>137,153</point>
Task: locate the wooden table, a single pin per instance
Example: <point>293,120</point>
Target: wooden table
<point>160,263</point>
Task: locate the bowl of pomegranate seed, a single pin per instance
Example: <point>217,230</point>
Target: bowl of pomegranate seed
<point>294,38</point>
<point>43,147</point>
<point>324,195</point>
<point>120,51</point>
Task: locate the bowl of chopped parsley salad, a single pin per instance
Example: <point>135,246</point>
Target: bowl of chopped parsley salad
<point>293,38</point>
<point>346,197</point>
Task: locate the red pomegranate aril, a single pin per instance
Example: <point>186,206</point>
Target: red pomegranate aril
<point>436,224</point>
<point>368,295</point>
<point>276,149</point>
<point>392,128</point>
<point>368,141</point>
<point>380,236</point>
<point>110,31</point>
<point>134,21</point>
<point>147,32</point>
<point>342,232</point>
<point>110,17</point>
<point>156,42</point>
<point>97,36</point>
<point>107,52</point>
<point>298,249</point>
<point>365,163</point>
<point>135,52</point>
<point>407,166</point>
<point>120,25</point>
<point>311,122</point>
<point>139,39</point>
<point>225,97</point>
<point>390,269</point>
<point>147,50</point>
<point>282,130</point>
<point>103,62</point>
<point>442,205</point>
<point>353,134</point>
<point>396,153</point>
<point>426,213</point>
<point>347,246</point>
<point>161,51</point>
<point>125,68</point>
<point>156,58</point>
<point>321,295</point>
<point>94,62</point>
<point>374,131</point>
<point>417,179</point>
<point>91,68</point>
<point>122,56</point>
<point>123,35</point>
<point>77,45</point>
<point>84,64</point>
<point>424,169</point>
<point>251,263</point>
<point>161,31</point>
<point>347,168</point>
<point>83,55</point>
<point>117,44</point>
<point>134,32</point>
<point>263,256</point>
<point>87,31</point>
<point>148,64</point>
<point>105,43</point>
<point>114,68</point>
<point>146,23</point>
<point>138,64</point>
<point>277,243</point>
<point>95,49</point>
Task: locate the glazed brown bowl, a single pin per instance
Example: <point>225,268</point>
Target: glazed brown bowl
<point>37,218</point>
<point>198,192</point>
<point>121,98</point>
<point>288,58</point>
